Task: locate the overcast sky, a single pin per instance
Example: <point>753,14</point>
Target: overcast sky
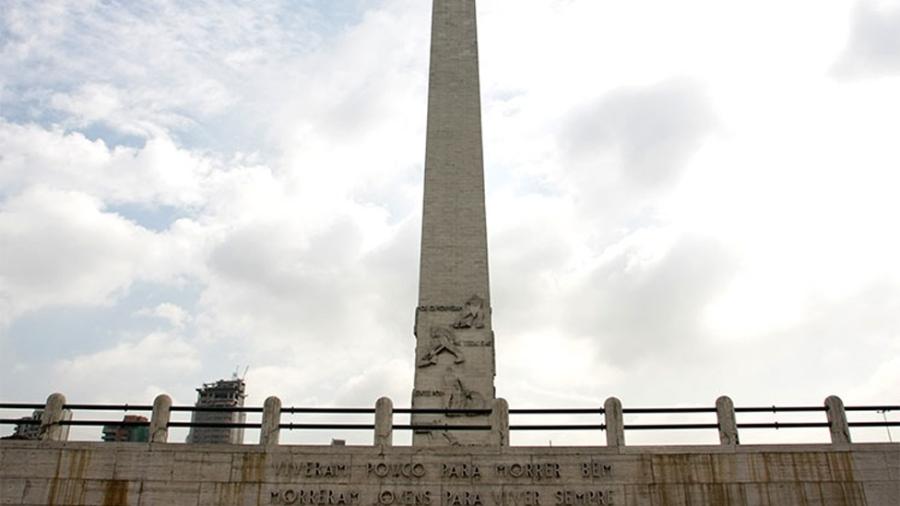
<point>685,199</point>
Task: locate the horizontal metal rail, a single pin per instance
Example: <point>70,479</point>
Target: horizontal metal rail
<point>105,423</point>
<point>672,426</point>
<point>217,409</point>
<point>760,425</point>
<point>559,427</point>
<point>346,411</point>
<point>108,407</point>
<point>327,426</point>
<point>874,424</point>
<point>534,427</point>
<point>782,425</point>
<point>441,411</point>
<point>19,421</point>
<point>20,405</point>
<point>300,410</point>
<point>557,411</point>
<point>442,427</point>
<point>638,411</point>
<point>513,411</point>
<point>360,426</point>
<point>780,409</point>
<point>216,425</point>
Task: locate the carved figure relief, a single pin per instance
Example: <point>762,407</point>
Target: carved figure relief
<point>442,436</point>
<point>472,315</point>
<point>443,341</point>
<point>462,398</point>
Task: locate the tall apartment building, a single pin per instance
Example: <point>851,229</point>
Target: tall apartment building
<point>28,431</point>
<point>127,433</point>
<point>221,394</point>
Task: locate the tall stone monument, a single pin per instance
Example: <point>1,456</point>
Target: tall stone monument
<point>454,340</point>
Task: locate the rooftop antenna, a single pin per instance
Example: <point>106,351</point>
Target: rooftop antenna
<point>886,426</point>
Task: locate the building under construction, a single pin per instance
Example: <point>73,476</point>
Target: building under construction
<point>29,428</point>
<point>213,396</point>
<point>131,430</point>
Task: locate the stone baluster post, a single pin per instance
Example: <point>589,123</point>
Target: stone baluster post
<point>615,423</point>
<point>54,413</point>
<point>837,420</point>
<point>500,421</point>
<point>271,422</point>
<point>159,419</point>
<point>728,432</point>
<point>384,422</point>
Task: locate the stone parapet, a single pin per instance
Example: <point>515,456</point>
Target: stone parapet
<point>48,472</point>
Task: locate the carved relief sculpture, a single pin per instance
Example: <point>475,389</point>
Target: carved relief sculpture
<point>443,342</point>
<point>472,315</point>
<point>462,398</point>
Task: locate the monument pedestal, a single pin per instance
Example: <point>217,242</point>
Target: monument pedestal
<point>454,371</point>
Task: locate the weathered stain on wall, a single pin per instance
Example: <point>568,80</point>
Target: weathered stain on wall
<point>115,493</point>
<point>68,485</point>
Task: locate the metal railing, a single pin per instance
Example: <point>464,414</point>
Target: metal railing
<point>56,418</point>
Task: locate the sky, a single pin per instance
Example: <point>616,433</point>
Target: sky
<point>685,200</point>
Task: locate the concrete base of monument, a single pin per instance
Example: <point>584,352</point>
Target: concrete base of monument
<point>55,473</point>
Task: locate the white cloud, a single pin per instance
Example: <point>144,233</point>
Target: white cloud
<point>649,133</point>
<point>175,315</point>
<point>61,248</point>
<point>873,48</point>
<point>119,109</point>
<point>129,364</point>
<point>158,173</point>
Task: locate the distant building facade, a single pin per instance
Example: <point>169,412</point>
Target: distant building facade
<point>127,433</point>
<point>221,394</point>
<point>28,431</point>
<point>30,426</point>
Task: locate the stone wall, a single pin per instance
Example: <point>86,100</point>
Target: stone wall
<point>60,473</point>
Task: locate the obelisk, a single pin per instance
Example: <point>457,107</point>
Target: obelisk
<point>454,341</point>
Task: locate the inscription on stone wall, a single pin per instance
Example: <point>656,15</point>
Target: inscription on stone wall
<point>560,497</point>
<point>428,393</point>
<point>462,498</point>
<point>453,473</point>
<point>596,470</point>
<point>405,497</point>
<point>537,472</point>
<point>568,497</point>
<point>517,497</point>
<point>460,471</point>
<point>403,470</point>
<point>318,497</point>
<point>311,470</point>
<point>440,309</point>
<point>330,497</point>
